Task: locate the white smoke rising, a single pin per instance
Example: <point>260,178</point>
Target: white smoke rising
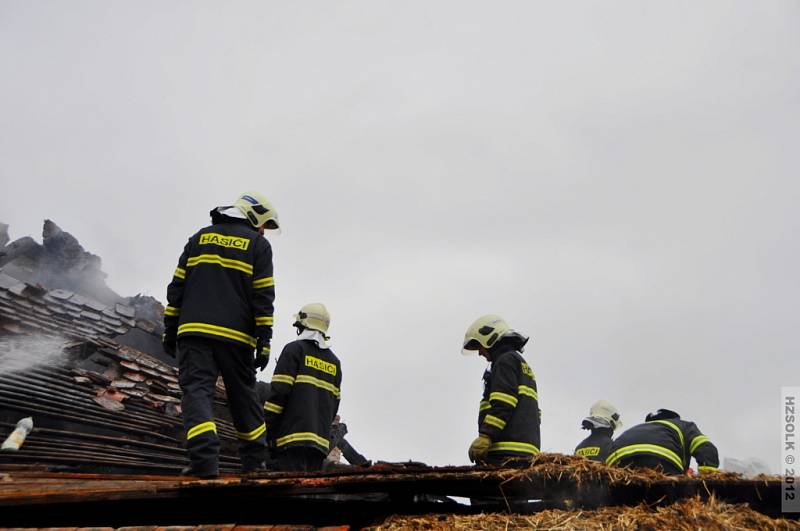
<point>750,467</point>
<point>23,353</point>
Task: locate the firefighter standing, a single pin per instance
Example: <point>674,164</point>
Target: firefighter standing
<point>509,416</point>
<point>305,394</point>
<point>664,442</point>
<point>220,306</point>
<point>603,419</point>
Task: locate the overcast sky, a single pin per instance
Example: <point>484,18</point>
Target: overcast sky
<point>617,179</point>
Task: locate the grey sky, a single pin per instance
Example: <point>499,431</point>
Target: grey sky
<point>618,179</point>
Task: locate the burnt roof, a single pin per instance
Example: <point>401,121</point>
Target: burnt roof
<point>27,309</point>
<point>97,405</point>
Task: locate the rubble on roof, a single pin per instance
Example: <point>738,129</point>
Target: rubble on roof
<point>61,267</point>
<point>58,312</point>
<point>102,408</point>
<point>29,308</point>
<point>690,514</point>
<point>103,394</point>
<point>59,262</point>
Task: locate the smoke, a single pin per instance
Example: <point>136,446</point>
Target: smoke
<point>749,468</point>
<point>23,353</point>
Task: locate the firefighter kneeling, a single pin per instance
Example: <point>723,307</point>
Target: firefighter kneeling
<point>664,442</point>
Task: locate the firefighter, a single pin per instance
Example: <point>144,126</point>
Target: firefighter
<point>603,419</point>
<point>340,447</point>
<point>509,416</point>
<point>304,395</point>
<point>219,315</point>
<point>664,442</point>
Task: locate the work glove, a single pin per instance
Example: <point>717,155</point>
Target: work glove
<point>479,448</point>
<point>169,345</point>
<point>262,354</point>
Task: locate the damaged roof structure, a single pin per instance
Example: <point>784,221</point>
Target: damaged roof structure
<point>107,445</point>
<point>92,373</point>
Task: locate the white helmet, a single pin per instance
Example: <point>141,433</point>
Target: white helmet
<point>603,414</point>
<point>486,331</point>
<point>258,211</point>
<point>313,316</point>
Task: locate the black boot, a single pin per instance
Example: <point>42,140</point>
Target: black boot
<point>206,472</point>
<point>254,468</point>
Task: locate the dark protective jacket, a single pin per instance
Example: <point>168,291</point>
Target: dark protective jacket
<point>304,397</point>
<point>596,446</point>
<point>338,429</point>
<point>673,440</point>
<point>509,412</point>
<point>223,286</point>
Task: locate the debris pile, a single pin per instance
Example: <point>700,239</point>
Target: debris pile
<point>30,310</point>
<point>110,409</point>
<point>59,262</point>
<point>90,371</point>
<point>685,515</point>
<point>549,466</point>
<point>61,266</point>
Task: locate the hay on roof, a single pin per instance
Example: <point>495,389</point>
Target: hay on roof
<point>686,515</point>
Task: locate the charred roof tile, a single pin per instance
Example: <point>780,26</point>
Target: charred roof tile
<point>8,282</point>
<point>127,311</point>
<point>95,305</point>
<point>61,294</point>
<point>90,315</point>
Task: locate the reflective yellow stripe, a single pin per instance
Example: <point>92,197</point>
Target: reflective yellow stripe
<point>252,435</point>
<point>172,311</point>
<point>263,282</point>
<point>179,273</point>
<point>645,448</point>
<point>201,428</point>
<point>302,436</point>
<point>508,446</point>
<point>503,397</point>
<point>707,468</point>
<point>494,421</point>
<point>216,259</point>
<point>283,378</point>
<point>528,391</point>
<point>264,320</point>
<point>674,427</point>
<point>215,330</point>
<point>484,405</point>
<point>273,408</point>
<point>697,441</point>
<point>304,378</point>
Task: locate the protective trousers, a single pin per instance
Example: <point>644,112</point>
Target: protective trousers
<point>299,459</point>
<point>200,362</point>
